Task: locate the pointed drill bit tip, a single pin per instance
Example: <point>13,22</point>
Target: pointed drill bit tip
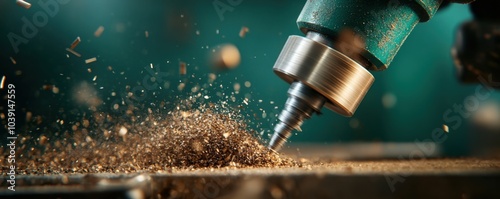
<point>277,141</point>
<point>271,149</point>
<point>274,148</point>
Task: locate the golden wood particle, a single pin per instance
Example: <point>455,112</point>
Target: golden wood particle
<point>190,138</point>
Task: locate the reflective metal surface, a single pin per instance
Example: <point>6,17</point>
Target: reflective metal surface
<point>319,75</point>
<point>301,104</point>
<point>342,81</point>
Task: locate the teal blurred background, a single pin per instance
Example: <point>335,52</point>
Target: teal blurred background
<point>418,88</point>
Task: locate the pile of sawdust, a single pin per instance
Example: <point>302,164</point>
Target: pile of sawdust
<point>180,139</point>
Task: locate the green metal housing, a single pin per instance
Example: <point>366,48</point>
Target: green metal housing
<point>383,24</point>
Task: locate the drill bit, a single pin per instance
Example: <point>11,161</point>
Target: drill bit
<point>319,76</point>
<point>302,102</point>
